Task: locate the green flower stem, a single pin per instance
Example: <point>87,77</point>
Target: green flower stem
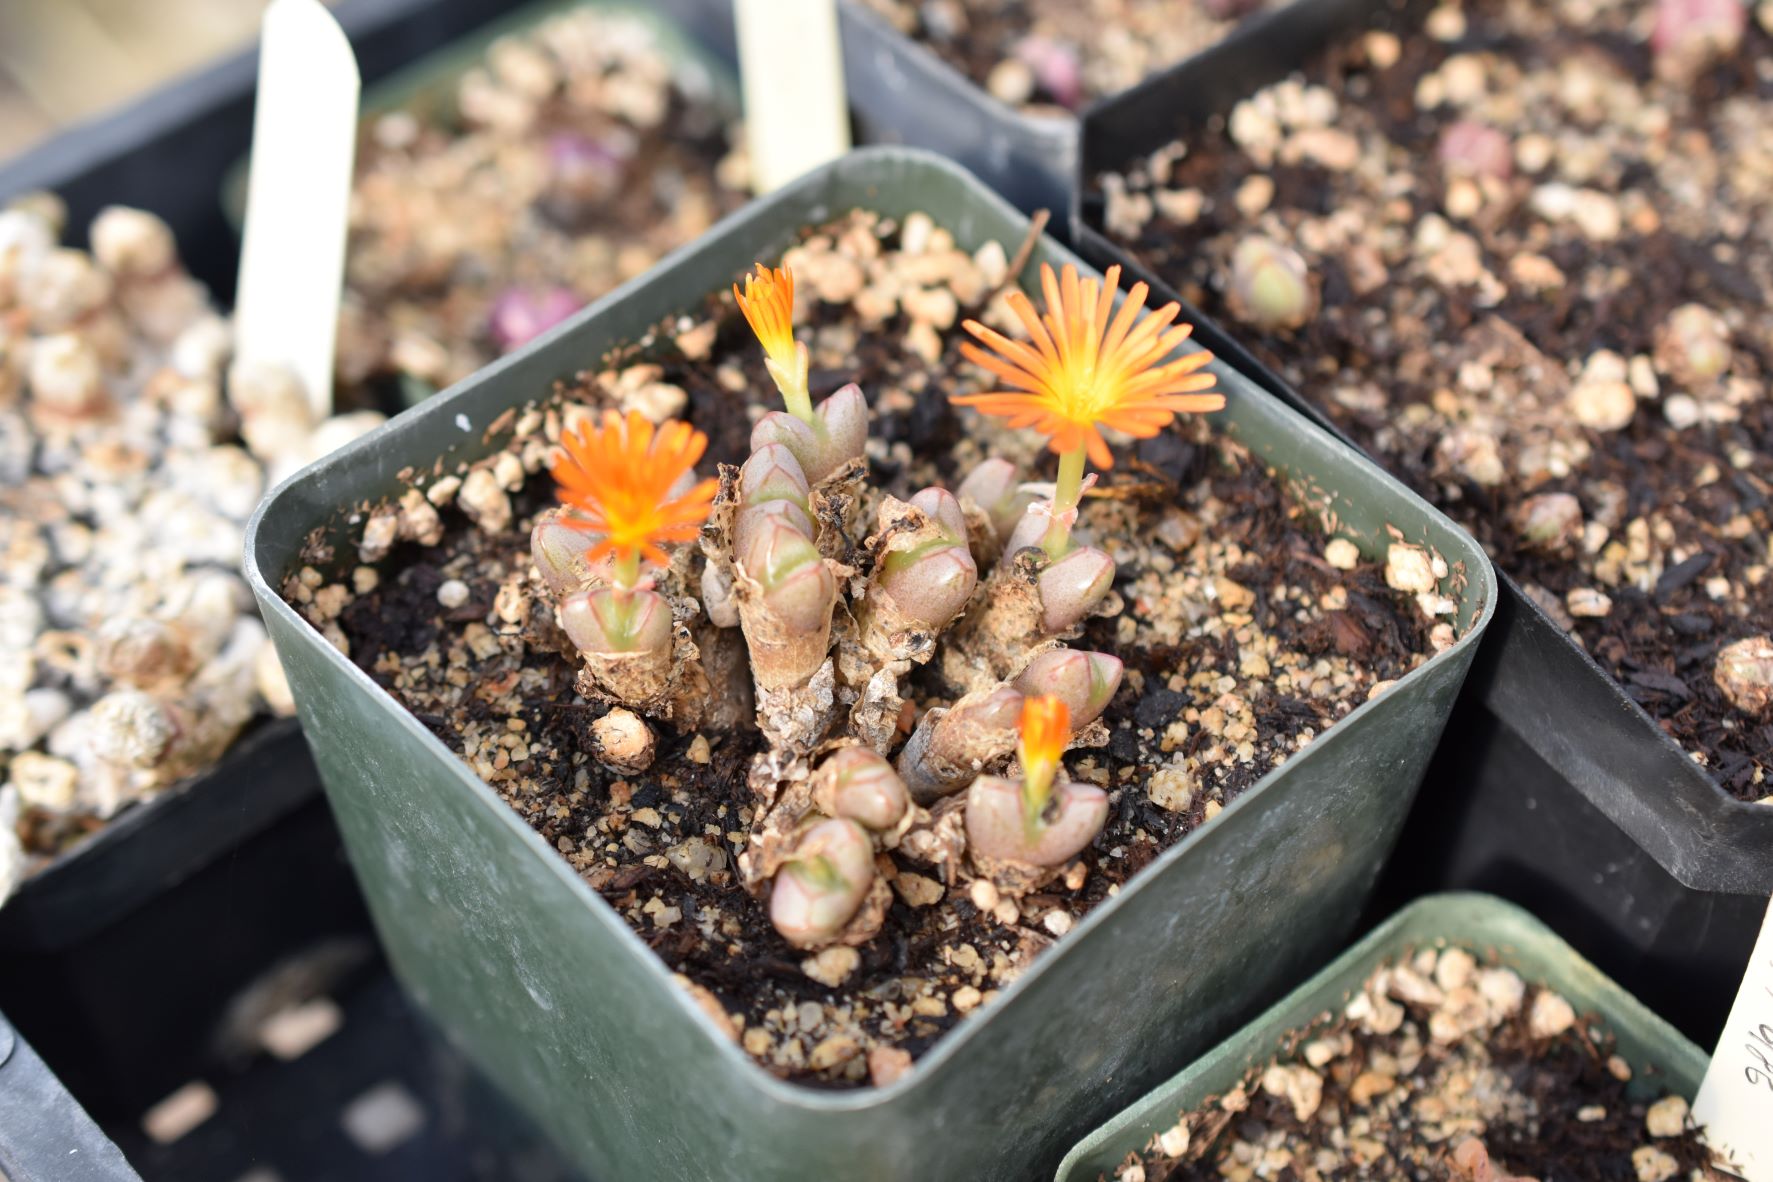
<point>1066,496</point>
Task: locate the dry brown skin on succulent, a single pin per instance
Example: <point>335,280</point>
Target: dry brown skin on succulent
<point>1519,230</point>
<point>445,629</point>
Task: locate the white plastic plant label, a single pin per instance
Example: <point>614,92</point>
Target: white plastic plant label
<point>791,68</point>
<point>304,142</point>
<point>1735,1102</point>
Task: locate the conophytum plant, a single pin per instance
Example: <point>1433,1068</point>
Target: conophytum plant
<point>990,577</point>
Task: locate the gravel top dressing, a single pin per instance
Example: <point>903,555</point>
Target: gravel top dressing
<point>130,458</point>
<point>568,158</point>
<point>1246,631</point>
<point>1057,56</point>
<point>1523,256</point>
<point>1441,1067</point>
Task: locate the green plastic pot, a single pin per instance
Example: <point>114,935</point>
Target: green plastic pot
<point>552,993</point>
<point>1478,922</point>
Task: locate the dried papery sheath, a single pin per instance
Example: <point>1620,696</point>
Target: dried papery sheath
<point>953,745</point>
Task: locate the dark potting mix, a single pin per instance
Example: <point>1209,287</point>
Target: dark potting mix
<point>1057,56</point>
<point>1524,254</point>
<point>1441,1067</point>
<point>851,708</point>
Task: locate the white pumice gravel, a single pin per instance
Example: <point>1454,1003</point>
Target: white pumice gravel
<point>130,653</point>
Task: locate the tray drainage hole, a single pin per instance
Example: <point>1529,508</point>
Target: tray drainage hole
<point>180,1112</point>
<point>295,1030</point>
<point>382,1118</point>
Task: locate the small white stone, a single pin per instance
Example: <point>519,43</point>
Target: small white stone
<point>1171,788</point>
<point>1744,671</point>
<point>1653,1165</point>
<point>1407,568</point>
<point>1667,1117</point>
<point>1550,1015</point>
<point>624,742</point>
<point>1301,1087</point>
<point>833,966</point>
<point>1587,602</point>
<point>1342,554</point>
<point>452,593</point>
<point>1173,1141</point>
<point>1602,398</point>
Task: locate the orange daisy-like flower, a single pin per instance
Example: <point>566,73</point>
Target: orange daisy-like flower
<point>1084,371</point>
<point>618,476</point>
<point>1045,728</point>
<point>768,305</point>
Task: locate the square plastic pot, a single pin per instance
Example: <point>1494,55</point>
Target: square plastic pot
<point>1651,863</point>
<point>552,993</point>
<point>1477,922</point>
<point>45,1136</point>
<point>901,93</point>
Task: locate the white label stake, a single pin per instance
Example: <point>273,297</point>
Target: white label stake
<point>304,141</point>
<point>1735,1102</point>
<point>791,69</point>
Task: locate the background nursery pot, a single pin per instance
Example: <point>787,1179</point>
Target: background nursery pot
<point>170,151</point>
<point>1555,788</point>
<point>195,881</point>
<point>1477,922</point>
<point>557,998</point>
<point>44,1136</point>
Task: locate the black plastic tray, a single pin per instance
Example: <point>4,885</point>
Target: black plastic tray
<point>123,955</point>
<point>1566,796</point>
<point>44,1134</point>
<point>302,1119</point>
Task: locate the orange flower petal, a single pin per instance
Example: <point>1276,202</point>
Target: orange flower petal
<point>617,477</point>
<point>1086,365</point>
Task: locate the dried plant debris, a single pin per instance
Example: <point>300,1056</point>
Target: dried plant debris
<point>130,654</point>
<point>1524,255</point>
<point>1246,631</point>
<point>1441,1067</point>
<point>1058,56</point>
<point>573,156</point>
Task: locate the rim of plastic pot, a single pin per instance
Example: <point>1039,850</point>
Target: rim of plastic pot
<point>320,496</point>
<point>1481,922</point>
<point>1696,830</point>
